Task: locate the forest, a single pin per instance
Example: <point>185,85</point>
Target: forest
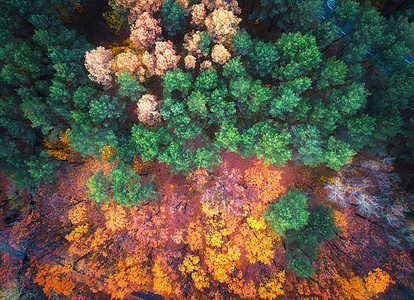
<point>207,149</point>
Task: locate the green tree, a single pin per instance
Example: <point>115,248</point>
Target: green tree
<point>206,81</point>
<point>234,68</point>
<point>289,213</point>
<point>130,86</point>
<point>299,55</point>
<point>177,81</point>
<point>333,73</point>
<point>242,43</point>
<point>306,140</point>
<point>228,137</point>
<point>150,142</point>
<point>337,153</point>
<point>196,103</point>
<point>173,17</point>
<point>99,187</point>
<point>204,43</point>
<point>259,97</point>
<point>302,244</point>
<point>263,58</point>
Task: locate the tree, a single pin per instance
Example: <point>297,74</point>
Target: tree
<point>259,97</point>
<point>204,42</point>
<point>99,62</point>
<point>99,185</point>
<point>268,141</point>
<point>147,110</point>
<point>222,25</point>
<point>302,244</point>
<point>176,80</point>
<point>306,139</point>
<point>289,213</point>
<point>228,137</point>
<point>220,55</point>
<point>173,17</point>
<point>295,61</point>
<point>206,81</point>
<point>283,103</point>
<point>272,287</point>
<point>234,68</point>
<point>196,103</point>
<point>150,142</point>
<point>337,153</point>
<point>145,31</point>
<point>163,59</point>
<point>105,108</point>
<point>263,57</point>
<point>333,73</point>
<point>242,43</point>
<point>129,86</point>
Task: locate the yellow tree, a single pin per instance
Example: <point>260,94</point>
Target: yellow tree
<point>272,288</point>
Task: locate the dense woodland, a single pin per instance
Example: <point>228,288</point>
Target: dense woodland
<point>206,149</point>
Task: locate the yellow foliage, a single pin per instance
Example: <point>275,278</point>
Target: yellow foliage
<point>112,19</point>
<point>59,147</point>
<point>215,239</point>
<point>161,281</point>
<point>77,233</point>
<point>191,266</point>
<point>272,288</point>
<point>354,288</point>
<point>107,152</point>
<point>256,224</point>
<point>222,264</point>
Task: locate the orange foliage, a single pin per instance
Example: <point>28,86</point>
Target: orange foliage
<point>115,216</point>
<point>56,279</point>
<point>78,214</point>
<point>244,288</point>
<point>140,167</point>
<point>265,181</point>
<point>59,147</point>
<point>191,265</point>
<point>374,283</point>
<point>195,235</point>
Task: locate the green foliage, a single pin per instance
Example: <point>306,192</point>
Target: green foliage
<point>206,81</point>
<point>176,80</point>
<point>204,43</point>
<point>333,73</point>
<point>150,142</point>
<point>104,109</point>
<point>242,43</point>
<point>263,57</point>
<point>127,188</point>
<point>130,86</point>
<point>99,187</point>
<point>177,155</point>
<point>196,103</point>
<point>234,68</point>
<point>268,141</point>
<point>289,213</point>
<point>207,156</point>
<point>259,97</point>
<point>299,54</point>
<point>228,137</point>
<point>284,103</point>
<point>337,153</point>
<point>302,244</point>
<point>306,139</point>
<point>239,88</point>
<point>43,168</point>
<point>173,17</point>
<point>350,99</point>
